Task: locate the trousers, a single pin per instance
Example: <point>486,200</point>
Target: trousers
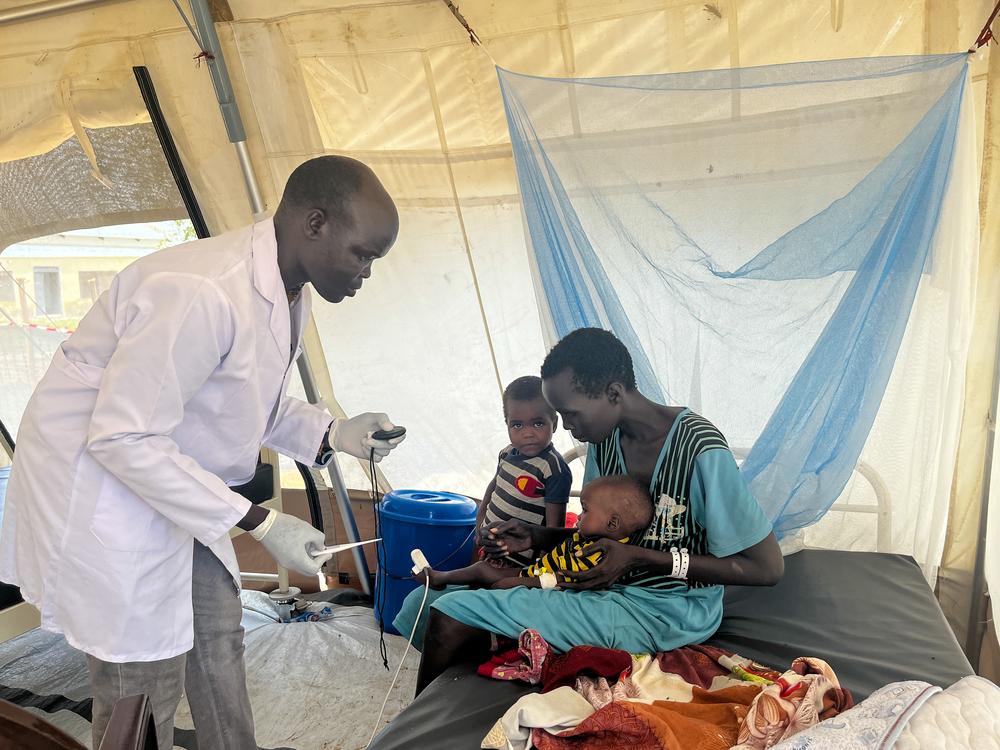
<point>212,673</point>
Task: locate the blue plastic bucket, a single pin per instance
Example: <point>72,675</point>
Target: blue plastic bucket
<point>439,523</point>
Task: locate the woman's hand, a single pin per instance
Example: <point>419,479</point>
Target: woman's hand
<point>507,537</point>
<point>616,560</point>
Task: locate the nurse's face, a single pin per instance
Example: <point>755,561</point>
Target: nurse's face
<point>341,260</point>
<point>589,419</point>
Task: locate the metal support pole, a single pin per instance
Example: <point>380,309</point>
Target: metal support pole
<point>337,483</point>
<point>216,62</point>
<point>237,136</point>
<point>37,10</point>
<point>249,179</point>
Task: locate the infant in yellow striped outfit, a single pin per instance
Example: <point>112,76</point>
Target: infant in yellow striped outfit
<point>611,507</point>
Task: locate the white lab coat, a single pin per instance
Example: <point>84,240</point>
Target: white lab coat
<point>162,398</point>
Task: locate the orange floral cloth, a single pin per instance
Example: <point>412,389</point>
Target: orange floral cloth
<point>803,696</point>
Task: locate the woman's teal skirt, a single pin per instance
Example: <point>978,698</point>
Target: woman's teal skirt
<point>631,618</point>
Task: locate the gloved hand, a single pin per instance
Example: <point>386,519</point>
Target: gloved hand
<point>290,541</point>
<point>354,436</point>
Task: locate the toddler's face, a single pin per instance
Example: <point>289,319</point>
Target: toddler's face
<point>529,425</point>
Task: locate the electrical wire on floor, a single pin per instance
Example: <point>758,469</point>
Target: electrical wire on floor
<point>402,659</point>
<point>379,602</point>
<point>262,613</point>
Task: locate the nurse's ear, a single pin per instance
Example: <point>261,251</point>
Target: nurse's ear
<point>316,221</point>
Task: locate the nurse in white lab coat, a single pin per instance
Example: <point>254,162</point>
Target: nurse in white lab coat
<point>118,509</point>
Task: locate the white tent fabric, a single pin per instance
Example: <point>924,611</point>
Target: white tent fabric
<point>397,84</point>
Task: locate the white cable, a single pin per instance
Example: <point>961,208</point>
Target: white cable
<point>378,721</point>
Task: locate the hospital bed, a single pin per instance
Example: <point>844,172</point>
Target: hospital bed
<point>871,615</point>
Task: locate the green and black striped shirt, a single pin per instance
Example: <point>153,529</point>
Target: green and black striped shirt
<point>701,502</point>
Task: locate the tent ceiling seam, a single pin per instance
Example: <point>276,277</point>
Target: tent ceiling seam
<point>460,42</point>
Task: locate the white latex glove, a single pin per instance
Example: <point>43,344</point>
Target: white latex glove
<point>354,436</point>
<point>290,541</point>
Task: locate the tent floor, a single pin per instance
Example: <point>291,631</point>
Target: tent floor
<point>313,686</point>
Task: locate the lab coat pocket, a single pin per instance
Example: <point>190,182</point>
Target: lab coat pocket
<point>124,522</point>
<point>83,373</point>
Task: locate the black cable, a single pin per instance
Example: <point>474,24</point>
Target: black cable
<point>439,563</point>
<point>381,557</point>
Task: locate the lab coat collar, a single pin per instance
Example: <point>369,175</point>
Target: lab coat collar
<point>267,281</point>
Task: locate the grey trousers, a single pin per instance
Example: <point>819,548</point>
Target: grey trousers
<point>212,673</point>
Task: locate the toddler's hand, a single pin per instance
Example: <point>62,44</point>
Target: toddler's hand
<point>504,538</point>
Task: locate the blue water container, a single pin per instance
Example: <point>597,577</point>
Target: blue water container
<point>439,523</point>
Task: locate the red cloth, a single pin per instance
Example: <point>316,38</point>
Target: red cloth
<point>698,665</point>
<point>534,662</point>
<point>592,661</point>
<point>523,663</point>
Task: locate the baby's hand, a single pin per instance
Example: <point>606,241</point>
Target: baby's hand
<point>507,537</point>
<point>616,560</point>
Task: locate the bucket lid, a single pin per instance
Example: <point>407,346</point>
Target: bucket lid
<point>428,506</point>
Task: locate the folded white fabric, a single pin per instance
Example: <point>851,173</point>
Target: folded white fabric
<point>966,716</point>
<point>556,711</point>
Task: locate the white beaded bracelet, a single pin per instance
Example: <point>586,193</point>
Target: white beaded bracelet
<point>676,565</point>
<point>685,564</point>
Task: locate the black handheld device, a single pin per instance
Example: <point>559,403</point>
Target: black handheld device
<point>395,432</point>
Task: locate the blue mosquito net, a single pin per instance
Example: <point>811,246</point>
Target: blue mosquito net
<point>756,237</point>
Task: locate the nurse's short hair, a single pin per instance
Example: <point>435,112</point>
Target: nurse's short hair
<point>327,182</point>
<point>596,357</point>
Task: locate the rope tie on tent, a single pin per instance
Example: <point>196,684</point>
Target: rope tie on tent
<point>986,35</point>
<point>204,54</point>
<point>473,36</point>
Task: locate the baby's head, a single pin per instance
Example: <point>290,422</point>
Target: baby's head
<point>530,420</point>
<point>614,507</point>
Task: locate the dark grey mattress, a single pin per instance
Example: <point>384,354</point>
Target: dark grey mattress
<point>870,615</point>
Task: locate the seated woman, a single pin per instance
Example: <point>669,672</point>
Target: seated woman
<point>661,593</point>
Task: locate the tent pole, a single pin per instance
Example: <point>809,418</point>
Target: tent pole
<point>237,136</point>
<point>337,484</point>
<point>976,626</point>
<point>36,10</point>
<point>216,62</point>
